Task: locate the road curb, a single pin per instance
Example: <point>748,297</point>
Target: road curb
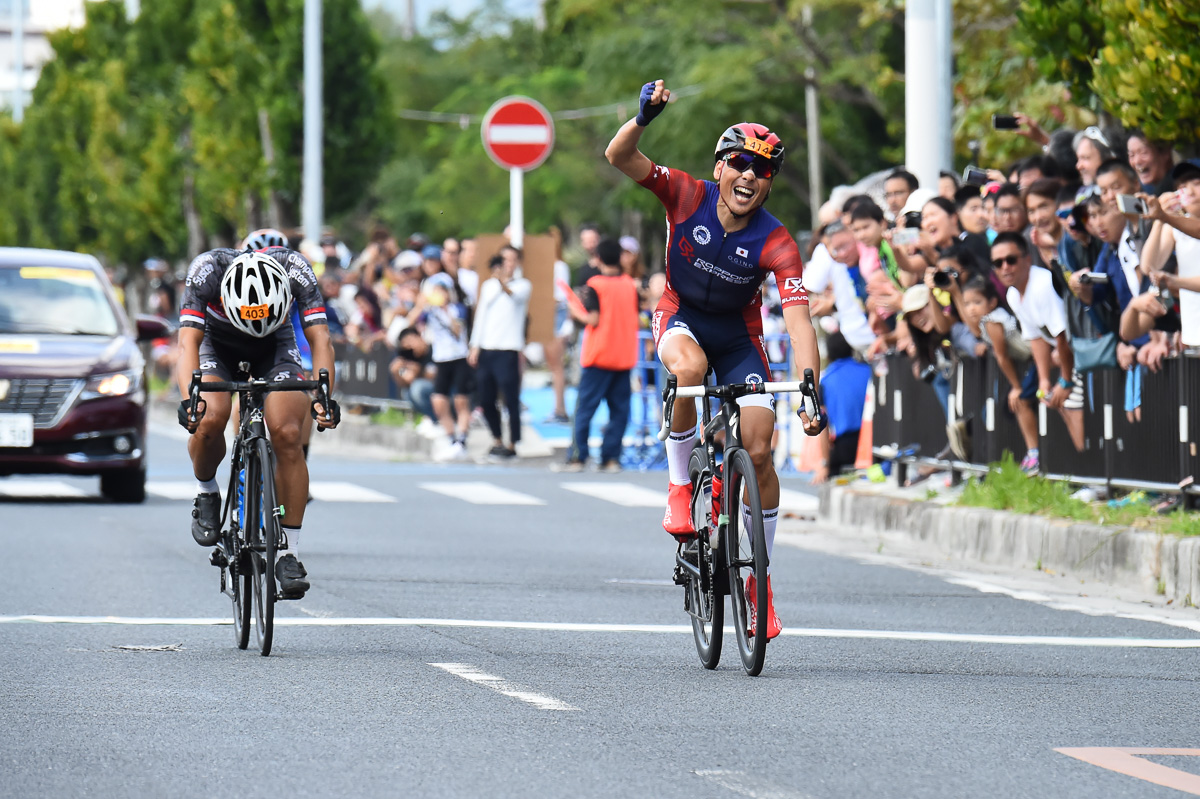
<point>1117,556</point>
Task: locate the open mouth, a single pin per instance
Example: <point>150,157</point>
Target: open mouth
<point>742,193</point>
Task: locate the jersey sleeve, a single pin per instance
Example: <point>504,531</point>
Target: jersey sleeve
<point>202,288</point>
<point>305,291</point>
<point>679,192</point>
<point>782,256</point>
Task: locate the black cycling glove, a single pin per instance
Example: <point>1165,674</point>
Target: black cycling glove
<point>183,414</point>
<point>647,111</point>
<point>335,411</point>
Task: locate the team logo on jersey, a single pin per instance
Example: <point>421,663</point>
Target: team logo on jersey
<point>701,234</point>
<point>199,272</point>
<point>279,378</point>
<point>656,323</point>
<point>754,378</point>
<point>208,366</point>
<point>742,252</point>
<point>294,354</point>
<point>794,285</point>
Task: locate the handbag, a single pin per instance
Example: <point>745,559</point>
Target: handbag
<point>1095,353</point>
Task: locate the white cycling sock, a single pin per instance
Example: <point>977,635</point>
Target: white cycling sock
<point>208,486</point>
<point>679,449</point>
<point>770,522</point>
<point>293,540</point>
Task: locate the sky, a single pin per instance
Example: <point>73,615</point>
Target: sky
<point>457,8</point>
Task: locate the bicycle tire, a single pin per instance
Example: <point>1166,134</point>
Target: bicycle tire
<point>706,605</point>
<point>240,578</point>
<point>746,553</point>
<point>267,522</point>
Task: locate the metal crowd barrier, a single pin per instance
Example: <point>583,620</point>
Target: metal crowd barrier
<point>363,377</point>
<point>1157,452</point>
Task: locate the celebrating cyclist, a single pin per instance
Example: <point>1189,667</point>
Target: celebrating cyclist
<point>235,309</point>
<point>720,246</point>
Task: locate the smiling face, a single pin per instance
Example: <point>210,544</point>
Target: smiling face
<point>939,225</point>
<point>1151,165</point>
<point>1188,187</point>
<point>1011,266</point>
<point>1041,212</point>
<point>741,192</point>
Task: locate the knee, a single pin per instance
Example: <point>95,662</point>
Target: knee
<point>212,426</point>
<point>760,455</point>
<point>690,367</point>
<point>286,437</point>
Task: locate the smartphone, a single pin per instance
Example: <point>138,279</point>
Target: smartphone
<point>1005,122</point>
<point>1131,205</point>
<point>974,176</point>
<point>905,236</point>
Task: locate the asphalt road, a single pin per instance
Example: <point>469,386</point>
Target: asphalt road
<point>449,648</point>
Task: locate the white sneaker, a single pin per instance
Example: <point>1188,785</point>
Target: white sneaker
<point>458,452</point>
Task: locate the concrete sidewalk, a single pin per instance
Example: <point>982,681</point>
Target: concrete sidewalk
<point>1146,562</point>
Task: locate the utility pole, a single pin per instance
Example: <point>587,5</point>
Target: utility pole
<point>812,116</point>
<point>927,95</point>
<point>18,32</point>
<point>313,191</point>
<point>410,20</point>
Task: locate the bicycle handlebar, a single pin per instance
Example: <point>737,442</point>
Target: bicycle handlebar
<point>809,403</point>
<point>257,385</point>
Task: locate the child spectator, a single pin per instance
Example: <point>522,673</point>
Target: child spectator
<point>609,352</point>
<point>843,393</point>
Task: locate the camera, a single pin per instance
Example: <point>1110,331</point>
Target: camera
<point>1131,205</point>
<point>943,278</point>
<point>928,373</point>
<point>912,219</point>
<point>1098,278</point>
<point>1005,122</point>
<point>974,176</point>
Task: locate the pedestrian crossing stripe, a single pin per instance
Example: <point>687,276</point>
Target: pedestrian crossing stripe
<point>624,494</point>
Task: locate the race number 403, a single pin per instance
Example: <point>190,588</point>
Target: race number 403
<point>253,312</point>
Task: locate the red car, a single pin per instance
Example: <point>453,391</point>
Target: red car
<point>72,379</point>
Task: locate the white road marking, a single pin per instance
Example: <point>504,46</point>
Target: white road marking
<point>625,494</point>
<point>752,786</point>
<point>323,491</point>
<point>503,686</point>
<point>619,581</point>
<point>346,492</point>
<point>41,489</point>
<point>478,493</point>
<point>601,627</point>
<point>798,502</point>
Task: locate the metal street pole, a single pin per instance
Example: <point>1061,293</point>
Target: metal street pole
<point>812,113</point>
<point>18,11</point>
<point>313,190</point>
<point>516,206</point>
<point>927,100</point>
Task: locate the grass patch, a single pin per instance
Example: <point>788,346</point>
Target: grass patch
<point>1006,487</point>
<point>395,418</point>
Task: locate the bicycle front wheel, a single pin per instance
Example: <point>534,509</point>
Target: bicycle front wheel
<point>746,549</point>
<point>267,524</point>
<point>241,578</point>
<point>704,601</point>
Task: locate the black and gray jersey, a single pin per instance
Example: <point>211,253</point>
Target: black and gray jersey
<point>202,307</point>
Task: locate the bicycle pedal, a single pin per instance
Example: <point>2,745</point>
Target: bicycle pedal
<point>218,558</point>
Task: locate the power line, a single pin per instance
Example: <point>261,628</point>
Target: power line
<point>465,120</point>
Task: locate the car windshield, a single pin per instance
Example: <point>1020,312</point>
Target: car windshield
<point>54,299</point>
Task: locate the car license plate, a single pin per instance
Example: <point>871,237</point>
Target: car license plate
<point>16,430</point>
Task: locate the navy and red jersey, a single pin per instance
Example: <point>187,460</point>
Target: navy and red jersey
<point>714,271</point>
<point>201,306</point>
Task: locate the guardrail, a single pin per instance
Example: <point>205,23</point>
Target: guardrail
<point>1157,452</point>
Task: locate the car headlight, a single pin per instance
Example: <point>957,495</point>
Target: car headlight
<point>113,384</point>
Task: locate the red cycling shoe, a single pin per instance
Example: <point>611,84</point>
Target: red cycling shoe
<point>774,625</point>
<point>678,519</point>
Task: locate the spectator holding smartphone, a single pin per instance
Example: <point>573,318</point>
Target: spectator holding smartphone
<point>1176,220</point>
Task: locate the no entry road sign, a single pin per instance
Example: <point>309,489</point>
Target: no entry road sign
<point>518,133</point>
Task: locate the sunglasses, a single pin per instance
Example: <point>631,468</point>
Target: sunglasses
<point>740,162</point>
<point>1008,260</point>
<point>1064,213</point>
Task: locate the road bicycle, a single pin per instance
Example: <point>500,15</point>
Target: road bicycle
<point>723,554</point>
<point>251,530</point>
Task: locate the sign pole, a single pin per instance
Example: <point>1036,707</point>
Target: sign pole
<point>516,205</point>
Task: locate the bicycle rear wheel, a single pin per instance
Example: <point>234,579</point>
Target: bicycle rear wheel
<point>241,579</point>
<point>746,555</point>
<point>267,524</point>
<point>705,603</point>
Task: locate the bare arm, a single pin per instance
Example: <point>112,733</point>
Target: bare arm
<point>189,357</point>
<point>804,339</point>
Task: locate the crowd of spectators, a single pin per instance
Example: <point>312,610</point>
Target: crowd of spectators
<point>1078,258</point>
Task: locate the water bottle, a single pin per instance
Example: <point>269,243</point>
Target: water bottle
<point>241,499</point>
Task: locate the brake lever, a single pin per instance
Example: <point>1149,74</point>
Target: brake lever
<point>194,393</point>
<point>668,406</point>
<point>808,393</point>
<point>323,390</point>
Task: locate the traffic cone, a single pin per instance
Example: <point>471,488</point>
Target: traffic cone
<point>864,457</point>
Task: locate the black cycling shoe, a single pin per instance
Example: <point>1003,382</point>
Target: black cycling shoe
<point>206,519</point>
<point>290,573</point>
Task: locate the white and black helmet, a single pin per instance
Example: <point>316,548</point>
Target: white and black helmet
<point>257,294</point>
<point>264,238</point>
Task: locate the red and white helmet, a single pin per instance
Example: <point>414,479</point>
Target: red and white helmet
<point>256,293</point>
<point>264,238</point>
<point>753,138</point>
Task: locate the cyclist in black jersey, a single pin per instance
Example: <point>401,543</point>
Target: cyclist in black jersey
<point>235,309</point>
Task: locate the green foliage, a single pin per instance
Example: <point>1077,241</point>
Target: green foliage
<point>1006,487</point>
<point>1132,58</point>
<point>132,120</point>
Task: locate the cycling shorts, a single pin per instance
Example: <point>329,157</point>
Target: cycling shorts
<point>733,343</point>
<point>454,378</point>
<point>274,358</point>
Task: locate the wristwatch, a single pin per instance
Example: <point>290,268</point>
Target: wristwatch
<point>1064,383</point>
